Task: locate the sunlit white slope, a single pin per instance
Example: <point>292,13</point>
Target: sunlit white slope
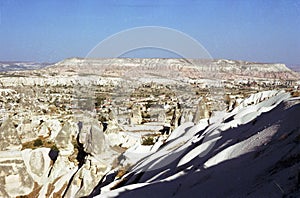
<point>252,151</point>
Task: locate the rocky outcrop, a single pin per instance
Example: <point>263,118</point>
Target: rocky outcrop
<point>15,180</point>
<point>65,138</point>
<point>83,182</point>
<point>202,110</point>
<point>92,138</point>
<point>136,115</point>
<point>9,136</point>
<point>38,164</point>
<point>98,160</point>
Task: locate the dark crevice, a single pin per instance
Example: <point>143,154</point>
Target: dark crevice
<point>80,158</point>
<point>165,130</point>
<point>104,124</point>
<point>53,154</point>
<point>69,184</point>
<point>81,153</point>
<point>105,180</point>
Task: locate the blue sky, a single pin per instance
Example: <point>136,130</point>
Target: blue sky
<point>49,31</point>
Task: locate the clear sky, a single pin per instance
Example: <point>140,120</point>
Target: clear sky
<point>49,31</point>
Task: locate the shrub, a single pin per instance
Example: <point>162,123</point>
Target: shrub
<point>38,142</point>
<point>147,140</point>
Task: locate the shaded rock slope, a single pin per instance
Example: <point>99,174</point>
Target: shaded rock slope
<point>252,151</point>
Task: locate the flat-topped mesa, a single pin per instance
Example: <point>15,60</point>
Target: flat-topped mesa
<point>244,65</point>
<point>191,68</point>
<point>262,70</point>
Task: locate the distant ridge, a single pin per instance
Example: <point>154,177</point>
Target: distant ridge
<point>191,68</point>
<point>295,68</point>
<point>21,65</point>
